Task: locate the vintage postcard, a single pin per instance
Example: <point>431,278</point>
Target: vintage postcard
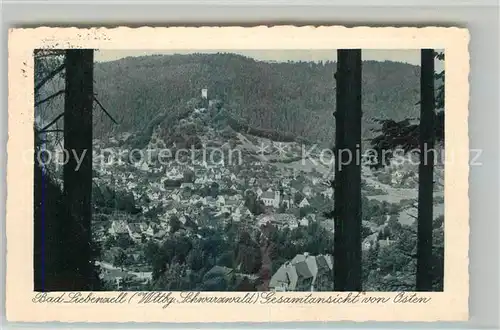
<point>230,174</point>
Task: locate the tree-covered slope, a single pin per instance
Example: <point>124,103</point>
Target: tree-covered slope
<point>296,97</point>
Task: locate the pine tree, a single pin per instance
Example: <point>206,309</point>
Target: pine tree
<point>347,212</point>
<point>79,97</point>
<point>426,170</point>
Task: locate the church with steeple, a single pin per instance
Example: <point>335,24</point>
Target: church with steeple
<point>277,198</point>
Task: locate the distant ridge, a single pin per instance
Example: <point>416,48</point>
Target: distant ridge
<point>296,98</point>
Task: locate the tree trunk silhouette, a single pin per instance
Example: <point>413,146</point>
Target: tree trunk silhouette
<point>347,241</point>
<point>78,176</point>
<point>426,170</point>
<point>51,235</point>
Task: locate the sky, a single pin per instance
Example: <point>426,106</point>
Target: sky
<point>411,56</point>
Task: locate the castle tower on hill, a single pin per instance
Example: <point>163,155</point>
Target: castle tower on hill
<point>204,97</point>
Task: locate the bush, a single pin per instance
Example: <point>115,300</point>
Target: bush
<point>124,242</point>
<point>438,199</point>
<point>169,183</point>
<point>189,176</point>
<point>125,202</point>
<point>226,259</point>
<point>365,231</point>
<point>193,141</point>
<point>372,191</point>
<point>228,133</point>
<point>385,178</point>
<point>405,203</point>
<point>97,196</point>
<point>378,219</point>
<point>305,211</point>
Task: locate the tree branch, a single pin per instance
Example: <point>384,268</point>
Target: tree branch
<point>49,76</point>
<point>51,123</point>
<point>409,255</point>
<point>409,229</point>
<point>107,113</point>
<point>412,216</point>
<point>49,97</point>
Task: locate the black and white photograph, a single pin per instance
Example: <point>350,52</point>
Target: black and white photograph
<point>241,170</point>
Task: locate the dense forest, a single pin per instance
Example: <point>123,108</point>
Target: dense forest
<point>294,97</point>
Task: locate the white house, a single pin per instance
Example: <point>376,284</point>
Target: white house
<point>328,193</point>
<point>369,241</point>
<point>131,185</point>
<point>200,110</point>
<point>134,231</point>
<point>301,273</point>
<point>187,185</point>
<point>174,174</point>
<point>147,229</point>
<point>304,222</point>
<point>232,203</point>
<point>285,279</point>
<point>200,180</point>
<point>182,219</point>
<point>236,215</point>
<point>396,178</point>
<point>144,166</point>
<point>271,198</point>
<point>221,201</point>
<point>118,227</point>
<point>304,203</point>
<point>264,220</point>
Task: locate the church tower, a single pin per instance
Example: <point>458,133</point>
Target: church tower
<point>277,198</point>
<point>278,195</point>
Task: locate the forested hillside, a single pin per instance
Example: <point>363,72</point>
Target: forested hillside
<point>296,97</point>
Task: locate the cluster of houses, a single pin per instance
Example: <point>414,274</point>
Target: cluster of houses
<point>303,273</point>
<point>372,240</point>
<point>135,230</point>
<point>282,220</point>
<point>189,202</point>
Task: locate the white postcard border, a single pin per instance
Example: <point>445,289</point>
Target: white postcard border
<point>452,304</point>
